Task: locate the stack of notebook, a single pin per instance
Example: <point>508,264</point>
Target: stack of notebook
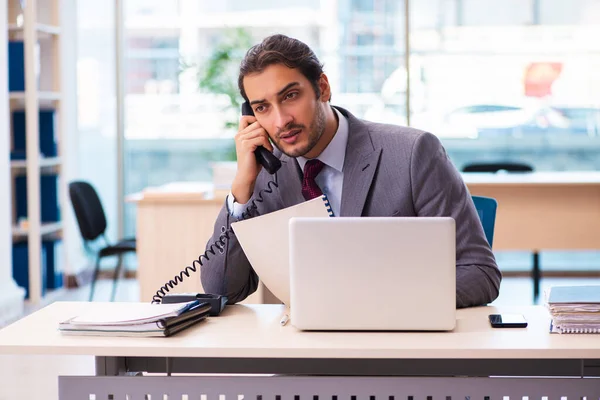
<point>135,319</point>
<point>574,309</point>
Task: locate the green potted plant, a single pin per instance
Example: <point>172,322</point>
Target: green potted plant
<point>220,72</point>
<point>219,75</point>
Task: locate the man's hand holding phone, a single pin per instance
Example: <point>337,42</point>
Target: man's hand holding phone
<point>250,135</point>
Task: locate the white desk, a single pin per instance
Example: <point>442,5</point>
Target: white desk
<point>248,339</point>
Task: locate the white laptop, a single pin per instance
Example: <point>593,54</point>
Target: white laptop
<point>373,273</point>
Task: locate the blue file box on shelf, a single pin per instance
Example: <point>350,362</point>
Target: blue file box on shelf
<point>17,155</point>
<point>54,275</point>
<point>20,266</point>
<point>16,66</point>
<point>49,197</point>
<point>47,135</point>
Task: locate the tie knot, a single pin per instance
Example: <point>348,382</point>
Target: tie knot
<point>312,168</point>
<point>310,189</point>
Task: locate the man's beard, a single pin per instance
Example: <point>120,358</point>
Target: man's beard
<point>315,131</point>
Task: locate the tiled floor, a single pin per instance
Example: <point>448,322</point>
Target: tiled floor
<point>35,377</point>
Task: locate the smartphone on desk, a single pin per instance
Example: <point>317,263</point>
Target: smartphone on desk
<point>507,321</point>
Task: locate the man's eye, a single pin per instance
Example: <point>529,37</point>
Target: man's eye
<point>291,95</point>
<point>259,109</point>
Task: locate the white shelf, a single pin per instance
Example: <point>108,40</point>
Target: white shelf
<point>45,65</point>
<point>47,229</point>
<point>44,162</point>
<point>40,28</point>
<point>41,96</point>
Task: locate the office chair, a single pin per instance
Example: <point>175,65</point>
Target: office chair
<point>92,224</point>
<point>509,166</point>
<point>486,208</point>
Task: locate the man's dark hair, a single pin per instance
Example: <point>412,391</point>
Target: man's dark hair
<point>281,49</point>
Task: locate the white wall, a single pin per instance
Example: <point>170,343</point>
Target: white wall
<point>75,260</point>
<point>11,296</point>
<point>97,105</point>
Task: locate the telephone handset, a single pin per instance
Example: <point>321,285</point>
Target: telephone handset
<point>271,164</point>
<point>263,156</point>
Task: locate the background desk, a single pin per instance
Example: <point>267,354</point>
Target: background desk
<point>537,211</point>
<point>543,210</point>
<point>248,339</point>
<point>174,223</point>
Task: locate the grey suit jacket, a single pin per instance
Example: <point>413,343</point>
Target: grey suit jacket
<point>388,171</point>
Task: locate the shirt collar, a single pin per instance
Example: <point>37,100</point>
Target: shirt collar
<point>335,152</point>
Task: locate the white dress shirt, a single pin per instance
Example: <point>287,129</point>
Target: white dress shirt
<point>331,177</point>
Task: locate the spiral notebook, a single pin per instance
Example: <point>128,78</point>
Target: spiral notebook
<point>135,319</point>
<point>574,309</point>
<point>265,241</point>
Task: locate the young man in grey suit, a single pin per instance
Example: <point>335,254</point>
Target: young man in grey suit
<point>365,168</point>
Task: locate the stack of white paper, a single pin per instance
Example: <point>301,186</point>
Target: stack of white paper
<point>265,241</point>
<point>574,309</point>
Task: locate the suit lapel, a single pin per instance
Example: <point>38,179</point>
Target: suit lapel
<point>360,165</point>
<point>290,182</point>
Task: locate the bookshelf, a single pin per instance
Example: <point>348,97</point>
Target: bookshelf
<point>40,28</point>
<point>21,96</point>
<point>44,162</point>
<point>11,295</point>
<point>35,31</point>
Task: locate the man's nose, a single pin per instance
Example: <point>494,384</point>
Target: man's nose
<point>283,118</point>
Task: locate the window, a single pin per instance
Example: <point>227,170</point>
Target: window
<point>174,130</point>
<point>508,80</point>
<point>494,79</point>
<point>514,80</point>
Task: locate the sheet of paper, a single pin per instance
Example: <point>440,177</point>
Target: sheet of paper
<point>265,242</point>
<point>128,313</point>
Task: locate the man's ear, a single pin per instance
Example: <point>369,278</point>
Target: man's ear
<point>325,88</point>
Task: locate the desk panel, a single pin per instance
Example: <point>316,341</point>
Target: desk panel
<point>536,217</point>
<point>170,236</point>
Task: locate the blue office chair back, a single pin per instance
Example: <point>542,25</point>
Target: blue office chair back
<point>486,208</point>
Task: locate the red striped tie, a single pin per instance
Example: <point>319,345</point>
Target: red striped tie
<point>310,189</point>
